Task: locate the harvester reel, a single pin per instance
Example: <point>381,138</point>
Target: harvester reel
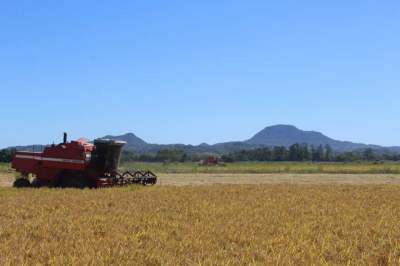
<point>136,177</point>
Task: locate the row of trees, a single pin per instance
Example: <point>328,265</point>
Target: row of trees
<point>172,155</point>
<point>6,155</point>
<point>304,152</point>
<point>296,152</point>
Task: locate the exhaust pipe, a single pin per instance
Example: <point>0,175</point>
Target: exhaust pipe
<point>65,138</point>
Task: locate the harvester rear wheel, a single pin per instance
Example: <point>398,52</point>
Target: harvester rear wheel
<point>21,182</point>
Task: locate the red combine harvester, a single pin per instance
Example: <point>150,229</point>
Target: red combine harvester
<point>77,164</point>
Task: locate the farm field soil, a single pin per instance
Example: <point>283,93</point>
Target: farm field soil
<point>275,224</point>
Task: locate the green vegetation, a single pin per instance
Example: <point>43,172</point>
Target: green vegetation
<point>6,155</point>
<point>271,167</point>
<point>304,152</point>
<point>171,155</point>
<point>294,153</point>
<point>4,166</point>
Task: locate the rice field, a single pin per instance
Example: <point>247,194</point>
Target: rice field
<point>208,216</point>
<point>275,224</point>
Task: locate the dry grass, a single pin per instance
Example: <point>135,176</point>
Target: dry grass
<point>7,175</point>
<point>203,225</point>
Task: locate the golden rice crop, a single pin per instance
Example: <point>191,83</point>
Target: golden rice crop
<point>203,225</point>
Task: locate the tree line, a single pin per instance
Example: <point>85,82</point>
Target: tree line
<point>6,155</point>
<point>304,152</point>
<point>173,155</point>
<point>296,152</point>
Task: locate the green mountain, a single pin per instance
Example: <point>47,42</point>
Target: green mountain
<point>278,135</point>
<point>286,135</point>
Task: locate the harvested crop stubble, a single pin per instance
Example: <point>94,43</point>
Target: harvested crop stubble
<point>226,224</point>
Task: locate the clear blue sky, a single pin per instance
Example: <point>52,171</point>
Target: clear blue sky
<point>199,71</point>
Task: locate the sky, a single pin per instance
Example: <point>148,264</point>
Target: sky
<point>198,71</point>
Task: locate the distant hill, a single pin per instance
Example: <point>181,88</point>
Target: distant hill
<point>138,145</point>
<point>286,135</point>
<point>278,135</point>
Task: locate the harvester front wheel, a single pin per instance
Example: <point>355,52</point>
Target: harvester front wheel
<point>21,182</point>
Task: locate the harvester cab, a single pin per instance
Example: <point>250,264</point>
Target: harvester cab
<point>106,155</point>
<point>77,164</point>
